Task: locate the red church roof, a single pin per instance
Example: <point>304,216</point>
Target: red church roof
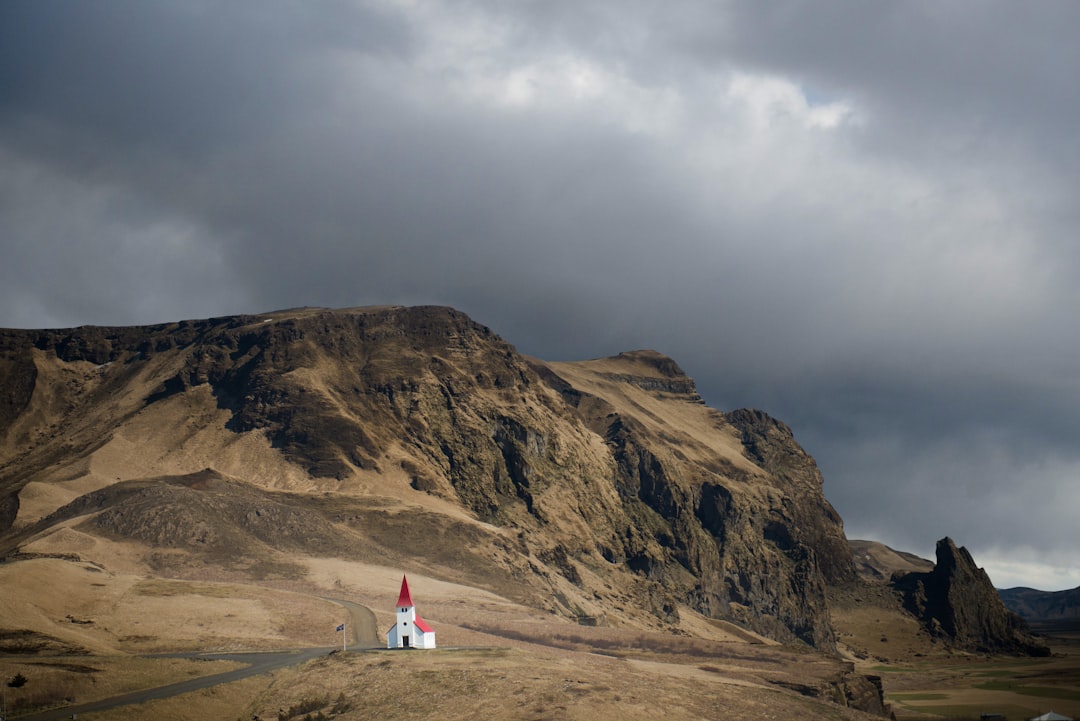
<point>422,625</point>
<point>405,598</point>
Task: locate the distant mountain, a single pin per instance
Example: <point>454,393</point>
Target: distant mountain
<point>1033,605</point>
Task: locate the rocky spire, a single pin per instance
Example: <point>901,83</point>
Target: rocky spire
<point>957,602</point>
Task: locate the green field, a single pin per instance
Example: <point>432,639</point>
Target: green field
<point>1016,688</point>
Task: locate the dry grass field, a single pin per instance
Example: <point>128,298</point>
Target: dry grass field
<point>514,680</point>
<point>523,681</point>
<point>497,659</point>
<point>60,680</point>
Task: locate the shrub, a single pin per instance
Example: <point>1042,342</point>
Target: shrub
<point>305,706</point>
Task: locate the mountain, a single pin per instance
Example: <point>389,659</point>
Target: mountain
<point>249,447</point>
<point>1033,605</point>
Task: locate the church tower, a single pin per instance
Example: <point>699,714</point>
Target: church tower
<point>410,631</point>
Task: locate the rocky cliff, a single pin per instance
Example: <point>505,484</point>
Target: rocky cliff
<point>957,602</point>
<point>598,489</point>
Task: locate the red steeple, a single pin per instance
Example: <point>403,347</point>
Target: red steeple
<point>404,598</point>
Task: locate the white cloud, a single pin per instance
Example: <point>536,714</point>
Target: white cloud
<point>770,102</point>
<point>1029,568</point>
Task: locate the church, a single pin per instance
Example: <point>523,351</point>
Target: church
<point>410,631</point>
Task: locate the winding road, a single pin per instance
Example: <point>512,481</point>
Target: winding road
<point>364,636</point>
<point>365,629</point>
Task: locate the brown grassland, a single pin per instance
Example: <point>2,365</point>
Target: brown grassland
<point>513,665</point>
<point>497,659</point>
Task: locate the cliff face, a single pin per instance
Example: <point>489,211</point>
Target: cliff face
<point>956,601</point>
<point>598,485</point>
<point>804,548</point>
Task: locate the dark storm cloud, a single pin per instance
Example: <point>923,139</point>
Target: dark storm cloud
<point>996,68</point>
<point>858,217</point>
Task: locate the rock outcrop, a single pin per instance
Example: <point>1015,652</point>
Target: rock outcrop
<point>957,602</point>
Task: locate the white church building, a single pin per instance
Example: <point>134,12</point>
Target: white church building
<point>410,631</point>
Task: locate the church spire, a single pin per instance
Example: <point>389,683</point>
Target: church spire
<point>404,598</point>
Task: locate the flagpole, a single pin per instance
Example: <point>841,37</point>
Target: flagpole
<point>341,627</point>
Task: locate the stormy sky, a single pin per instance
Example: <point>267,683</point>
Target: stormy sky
<point>860,217</point>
